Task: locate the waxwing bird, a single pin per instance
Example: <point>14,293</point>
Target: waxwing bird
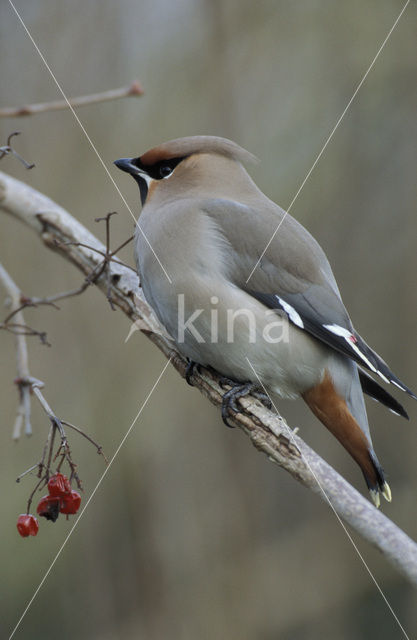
<point>242,287</point>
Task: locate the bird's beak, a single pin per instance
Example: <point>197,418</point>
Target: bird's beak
<point>126,164</point>
<point>141,177</point>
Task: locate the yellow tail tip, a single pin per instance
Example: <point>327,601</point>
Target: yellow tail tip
<point>375,497</point>
<point>386,492</point>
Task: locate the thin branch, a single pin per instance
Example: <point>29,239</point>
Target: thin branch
<point>110,255</point>
<point>36,386</point>
<point>49,301</point>
<point>63,452</point>
<point>24,330</point>
<point>8,149</point>
<point>134,89</point>
<point>24,473</point>
<point>120,247</point>
<point>23,410</point>
<point>268,432</point>
<point>92,277</point>
<point>87,437</point>
<point>39,485</point>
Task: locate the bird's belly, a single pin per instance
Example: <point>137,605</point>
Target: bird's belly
<point>242,339</point>
<point>273,366</point>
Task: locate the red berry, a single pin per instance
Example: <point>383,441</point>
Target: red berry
<point>48,507</point>
<point>27,525</point>
<point>58,485</point>
<point>70,504</point>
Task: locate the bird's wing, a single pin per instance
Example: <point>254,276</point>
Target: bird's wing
<point>293,276</point>
<point>378,393</point>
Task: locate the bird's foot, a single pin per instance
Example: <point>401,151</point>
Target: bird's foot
<point>192,367</point>
<point>239,390</point>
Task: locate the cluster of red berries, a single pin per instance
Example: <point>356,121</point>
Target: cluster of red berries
<point>60,499</point>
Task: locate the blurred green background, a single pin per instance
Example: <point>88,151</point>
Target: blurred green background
<point>193,534</point>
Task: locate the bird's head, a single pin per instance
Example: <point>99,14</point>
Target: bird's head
<point>176,166</point>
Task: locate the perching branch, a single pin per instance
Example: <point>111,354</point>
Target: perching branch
<point>269,432</point>
<point>134,89</point>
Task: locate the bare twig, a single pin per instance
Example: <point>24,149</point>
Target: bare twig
<point>49,301</point>
<point>87,437</point>
<point>63,451</point>
<point>8,149</point>
<point>56,425</point>
<point>23,410</point>
<point>268,432</point>
<point>108,256</point>
<point>36,386</point>
<point>24,473</point>
<point>24,330</point>
<point>134,89</point>
<point>39,485</point>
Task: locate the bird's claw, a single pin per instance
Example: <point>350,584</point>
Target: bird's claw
<point>192,367</point>
<point>239,390</point>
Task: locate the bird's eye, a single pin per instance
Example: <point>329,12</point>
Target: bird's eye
<point>165,170</point>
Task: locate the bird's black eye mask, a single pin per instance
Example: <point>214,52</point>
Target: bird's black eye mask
<point>158,171</point>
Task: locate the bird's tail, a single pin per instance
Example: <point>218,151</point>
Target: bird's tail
<point>331,409</point>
